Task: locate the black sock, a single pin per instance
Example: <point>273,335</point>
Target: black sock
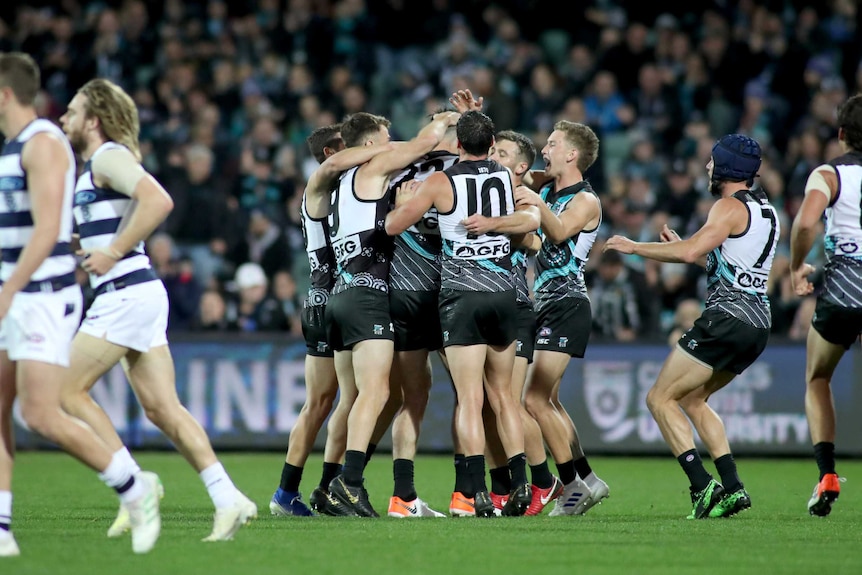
<point>330,472</point>
<point>353,466</point>
<point>476,470</point>
<point>372,447</point>
<point>501,480</point>
<point>726,467</point>
<point>582,467</point>
<point>462,478</point>
<point>541,475</point>
<point>125,486</point>
<point>567,472</point>
<point>824,454</point>
<point>693,467</point>
<point>290,477</point>
<point>518,469</point>
<point>402,470</point>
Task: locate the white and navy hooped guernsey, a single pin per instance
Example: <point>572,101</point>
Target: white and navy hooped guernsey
<point>16,219</point>
<point>98,214</point>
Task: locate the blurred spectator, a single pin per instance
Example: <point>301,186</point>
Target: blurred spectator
<point>253,309</point>
<point>178,275</point>
<point>211,314</point>
<point>623,308</point>
<point>285,291</point>
<point>264,244</point>
<point>199,221</point>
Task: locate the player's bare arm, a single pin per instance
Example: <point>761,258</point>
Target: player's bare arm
<point>728,216</point>
<point>374,177</point>
<point>322,180</point>
<point>525,219</point>
<point>45,162</point>
<point>535,179</point>
<point>582,212</point>
<point>119,170</point>
<point>424,197</point>
<point>820,189</point>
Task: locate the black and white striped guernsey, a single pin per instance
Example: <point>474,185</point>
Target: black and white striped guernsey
<point>16,218</point>
<point>98,214</point>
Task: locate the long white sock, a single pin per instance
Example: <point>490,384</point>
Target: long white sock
<point>219,485</point>
<point>5,508</point>
<point>128,459</point>
<point>119,477</point>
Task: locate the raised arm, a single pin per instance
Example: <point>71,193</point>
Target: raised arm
<point>322,180</point>
<point>408,152</point>
<point>727,216</point>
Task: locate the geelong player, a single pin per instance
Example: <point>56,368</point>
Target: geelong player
<point>117,206</point>
<point>40,303</point>
<point>737,244</point>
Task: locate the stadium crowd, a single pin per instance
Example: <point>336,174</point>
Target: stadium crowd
<point>228,91</point>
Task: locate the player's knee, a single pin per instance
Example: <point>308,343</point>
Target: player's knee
<point>534,403</point>
<point>655,399</point>
<point>40,418</point>
<point>72,399</point>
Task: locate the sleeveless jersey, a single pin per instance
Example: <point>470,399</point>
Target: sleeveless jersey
<point>321,259</point>
<point>843,241</point>
<point>16,219</point>
<point>358,237</point>
<point>470,262</point>
<point>737,270</point>
<point>416,256</point>
<point>560,267</point>
<point>519,277</point>
<point>98,213</point>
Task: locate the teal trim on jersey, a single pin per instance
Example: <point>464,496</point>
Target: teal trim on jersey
<point>348,277</point>
<point>722,268</point>
<point>549,274</point>
<point>408,239</point>
<point>518,257</point>
<point>488,265</point>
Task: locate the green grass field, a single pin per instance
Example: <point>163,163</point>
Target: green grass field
<point>61,513</point>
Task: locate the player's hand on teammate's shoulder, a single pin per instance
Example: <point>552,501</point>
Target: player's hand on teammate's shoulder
<point>526,196</point>
<point>620,244</point>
